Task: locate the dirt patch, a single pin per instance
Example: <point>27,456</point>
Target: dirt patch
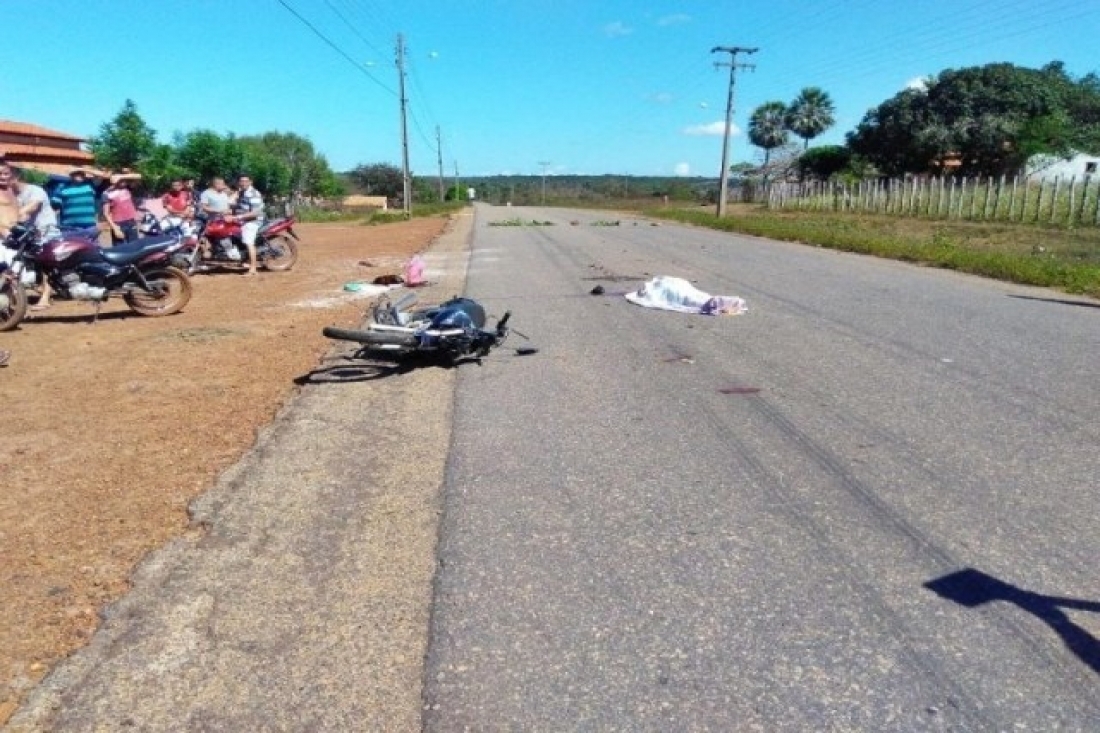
<point>113,428</point>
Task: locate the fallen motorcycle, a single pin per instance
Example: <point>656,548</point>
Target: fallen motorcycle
<point>217,243</point>
<point>77,268</point>
<point>452,331</point>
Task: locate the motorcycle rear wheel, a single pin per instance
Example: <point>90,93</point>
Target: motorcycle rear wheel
<point>12,315</point>
<point>175,293</point>
<point>281,254</point>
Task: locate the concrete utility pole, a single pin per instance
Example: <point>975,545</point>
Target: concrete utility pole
<point>723,189</point>
<point>439,159</point>
<point>407,179</point>
<point>544,164</point>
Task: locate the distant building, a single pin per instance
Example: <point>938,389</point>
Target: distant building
<point>1049,167</point>
<point>41,149</point>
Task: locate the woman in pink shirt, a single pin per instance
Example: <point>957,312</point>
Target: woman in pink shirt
<point>119,210</point>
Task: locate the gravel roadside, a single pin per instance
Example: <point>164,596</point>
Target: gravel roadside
<point>300,598</point>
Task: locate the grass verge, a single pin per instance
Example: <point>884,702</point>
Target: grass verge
<point>1067,259</point>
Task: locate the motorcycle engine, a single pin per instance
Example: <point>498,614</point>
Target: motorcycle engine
<point>80,290</point>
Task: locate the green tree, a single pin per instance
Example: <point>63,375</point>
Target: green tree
<point>125,141</point>
<point>767,128</point>
<point>159,169</point>
<point>823,162</point>
<point>987,119</point>
<point>810,114</point>
<point>205,154</point>
<point>379,179</point>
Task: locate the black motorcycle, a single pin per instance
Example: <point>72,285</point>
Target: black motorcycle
<point>453,330</point>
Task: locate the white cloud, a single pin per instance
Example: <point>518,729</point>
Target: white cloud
<point>711,129</point>
<point>682,169</point>
<point>919,83</point>
<point>617,29</point>
<point>675,19</point>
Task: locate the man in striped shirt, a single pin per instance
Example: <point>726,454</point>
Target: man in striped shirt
<point>77,201</point>
<point>249,212</point>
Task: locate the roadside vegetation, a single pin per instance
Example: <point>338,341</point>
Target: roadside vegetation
<point>1057,257</point>
<point>367,215</point>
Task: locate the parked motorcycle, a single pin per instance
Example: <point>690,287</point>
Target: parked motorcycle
<point>453,330</point>
<point>13,298</point>
<point>217,243</point>
<point>77,268</point>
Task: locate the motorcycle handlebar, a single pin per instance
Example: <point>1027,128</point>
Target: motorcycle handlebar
<point>502,324</point>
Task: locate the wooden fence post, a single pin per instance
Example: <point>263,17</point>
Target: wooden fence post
<point>1012,197</point>
<point>1054,198</point>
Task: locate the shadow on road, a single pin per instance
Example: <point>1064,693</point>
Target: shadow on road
<point>972,588</point>
<point>1060,301</point>
<point>355,369</point>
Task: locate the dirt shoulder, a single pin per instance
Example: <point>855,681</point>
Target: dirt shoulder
<point>114,428</point>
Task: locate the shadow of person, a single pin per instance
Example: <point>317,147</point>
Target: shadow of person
<point>972,588</point>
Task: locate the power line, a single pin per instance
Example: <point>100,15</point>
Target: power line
<point>336,48</point>
<point>354,30</point>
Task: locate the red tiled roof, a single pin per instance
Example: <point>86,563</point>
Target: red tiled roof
<point>16,152</point>
<point>23,128</point>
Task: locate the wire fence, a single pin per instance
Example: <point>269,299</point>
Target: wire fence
<point>1069,201</point>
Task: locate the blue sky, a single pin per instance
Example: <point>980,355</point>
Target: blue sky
<point>586,86</point>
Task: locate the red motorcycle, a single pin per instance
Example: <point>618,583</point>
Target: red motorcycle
<point>77,268</point>
<point>217,243</point>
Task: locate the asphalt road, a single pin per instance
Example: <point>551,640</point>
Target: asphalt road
<point>869,504</point>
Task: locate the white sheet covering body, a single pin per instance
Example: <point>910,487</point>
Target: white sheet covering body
<point>676,294</point>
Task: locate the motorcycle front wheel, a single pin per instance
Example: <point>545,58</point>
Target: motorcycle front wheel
<point>281,252</point>
<point>373,338</point>
<point>171,291</point>
<point>13,303</point>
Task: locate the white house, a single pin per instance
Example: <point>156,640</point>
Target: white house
<point>1049,167</point>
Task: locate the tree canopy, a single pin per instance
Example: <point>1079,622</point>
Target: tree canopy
<point>768,128</point>
<point>125,141</point>
<point>985,120</point>
<point>379,179</point>
<point>810,114</point>
<point>280,163</point>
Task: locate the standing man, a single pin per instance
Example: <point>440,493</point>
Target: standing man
<point>9,202</point>
<point>34,207</point>
<point>214,201</point>
<point>249,212</point>
<point>119,210</point>
<point>77,202</point>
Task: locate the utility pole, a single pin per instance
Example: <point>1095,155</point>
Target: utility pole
<point>723,188</point>
<point>407,192</point>
<point>439,159</point>
<point>544,164</point>
<point>456,182</point>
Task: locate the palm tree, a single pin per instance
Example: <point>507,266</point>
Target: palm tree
<point>810,114</point>
<point>767,128</point>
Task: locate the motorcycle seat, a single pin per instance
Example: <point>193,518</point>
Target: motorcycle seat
<point>129,252</point>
